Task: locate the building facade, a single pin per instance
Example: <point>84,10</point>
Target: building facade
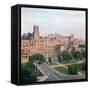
<point>48,46</point>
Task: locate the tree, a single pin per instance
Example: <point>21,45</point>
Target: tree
<point>37,58</point>
<point>28,73</point>
<point>23,36</point>
<point>82,67</point>
<point>83,53</point>
<point>73,69</point>
<point>65,57</point>
<point>49,60</point>
<point>78,55</point>
<point>29,35</point>
<point>60,58</point>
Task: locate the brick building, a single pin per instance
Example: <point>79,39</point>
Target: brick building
<point>49,46</point>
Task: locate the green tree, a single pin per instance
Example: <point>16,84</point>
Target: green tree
<point>37,58</point>
<point>73,69</point>
<point>28,74</point>
<point>49,60</point>
<point>83,53</point>
<point>29,35</point>
<point>76,55</point>
<point>82,66</point>
<point>65,57</point>
<point>60,58</point>
<point>29,71</point>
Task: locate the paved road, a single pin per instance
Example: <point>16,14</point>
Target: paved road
<point>54,75</point>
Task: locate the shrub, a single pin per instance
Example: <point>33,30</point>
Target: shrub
<point>73,69</point>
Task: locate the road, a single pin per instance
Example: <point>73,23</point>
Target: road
<point>53,75</point>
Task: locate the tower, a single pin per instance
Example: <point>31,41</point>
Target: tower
<point>36,32</point>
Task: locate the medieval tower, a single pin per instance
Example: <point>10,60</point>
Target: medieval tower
<point>36,32</point>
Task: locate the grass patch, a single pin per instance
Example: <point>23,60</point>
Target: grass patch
<point>61,70</point>
<point>71,69</point>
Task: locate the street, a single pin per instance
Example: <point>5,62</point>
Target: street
<point>53,75</point>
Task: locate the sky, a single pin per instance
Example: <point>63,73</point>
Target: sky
<point>63,22</point>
